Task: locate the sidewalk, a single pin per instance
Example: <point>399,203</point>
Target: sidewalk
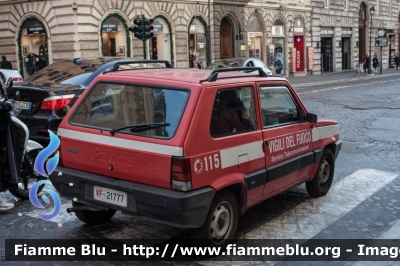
<point>337,77</point>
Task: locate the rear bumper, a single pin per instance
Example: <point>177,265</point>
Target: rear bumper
<point>36,126</point>
<point>176,208</point>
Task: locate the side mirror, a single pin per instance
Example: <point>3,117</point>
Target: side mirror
<point>77,61</point>
<point>312,118</point>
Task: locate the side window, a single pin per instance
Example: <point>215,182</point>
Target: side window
<point>277,106</point>
<point>233,112</point>
<point>250,64</point>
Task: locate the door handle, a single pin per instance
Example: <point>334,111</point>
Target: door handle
<point>266,142</point>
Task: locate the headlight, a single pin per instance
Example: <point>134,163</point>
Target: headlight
<point>16,107</point>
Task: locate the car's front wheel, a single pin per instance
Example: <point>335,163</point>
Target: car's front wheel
<point>221,221</point>
<point>322,181</point>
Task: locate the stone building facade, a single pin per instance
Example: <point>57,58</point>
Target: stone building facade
<point>287,35</point>
<point>341,32</point>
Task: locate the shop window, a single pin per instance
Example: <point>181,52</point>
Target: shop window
<point>197,45</point>
<point>114,38</point>
<point>33,48</point>
<point>277,51</point>
<point>255,34</point>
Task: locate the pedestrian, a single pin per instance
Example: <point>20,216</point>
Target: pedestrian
<point>397,61</point>
<point>375,63</point>
<point>5,206</point>
<point>366,63</point>
<point>5,64</point>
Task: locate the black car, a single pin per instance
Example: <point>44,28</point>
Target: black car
<point>48,95</point>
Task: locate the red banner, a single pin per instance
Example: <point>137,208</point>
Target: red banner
<point>299,45</point>
<point>310,59</point>
<point>294,60</point>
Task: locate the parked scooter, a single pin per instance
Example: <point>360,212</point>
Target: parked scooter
<point>17,152</point>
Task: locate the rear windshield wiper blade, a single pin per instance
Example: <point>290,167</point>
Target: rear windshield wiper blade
<point>139,127</point>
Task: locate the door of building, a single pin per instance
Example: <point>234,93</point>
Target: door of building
<point>226,39</point>
<point>327,55</point>
<point>346,53</point>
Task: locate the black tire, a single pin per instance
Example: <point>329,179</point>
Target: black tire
<point>22,192</point>
<point>93,217</point>
<point>322,181</point>
<point>224,207</point>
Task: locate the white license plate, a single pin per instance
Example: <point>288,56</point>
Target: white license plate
<point>110,196</point>
<point>25,105</point>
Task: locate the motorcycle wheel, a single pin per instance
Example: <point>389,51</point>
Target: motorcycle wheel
<point>27,176</point>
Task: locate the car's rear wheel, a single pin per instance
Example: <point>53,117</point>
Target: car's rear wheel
<point>221,221</point>
<point>322,181</point>
<point>93,217</point>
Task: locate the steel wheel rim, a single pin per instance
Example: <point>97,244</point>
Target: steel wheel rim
<point>324,172</point>
<point>221,222</point>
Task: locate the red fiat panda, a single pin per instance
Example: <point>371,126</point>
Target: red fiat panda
<point>190,148</point>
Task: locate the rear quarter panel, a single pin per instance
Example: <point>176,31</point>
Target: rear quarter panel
<point>137,158</point>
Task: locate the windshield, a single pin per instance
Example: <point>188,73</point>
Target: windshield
<point>118,106</point>
<point>79,79</point>
<point>225,64</point>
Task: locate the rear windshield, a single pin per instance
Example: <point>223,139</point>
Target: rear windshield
<point>110,106</point>
<point>225,64</point>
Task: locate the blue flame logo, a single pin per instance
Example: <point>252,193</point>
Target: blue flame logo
<point>40,165</point>
<point>45,153</point>
<point>35,201</point>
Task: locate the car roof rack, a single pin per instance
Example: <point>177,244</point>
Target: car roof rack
<point>214,75</point>
<point>115,67</point>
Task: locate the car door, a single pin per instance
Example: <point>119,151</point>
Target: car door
<point>287,140</point>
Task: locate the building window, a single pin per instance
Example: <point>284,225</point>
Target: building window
<point>327,2</point>
<point>377,7</point>
<point>346,5</point>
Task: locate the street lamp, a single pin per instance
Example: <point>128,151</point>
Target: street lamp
<point>372,11</point>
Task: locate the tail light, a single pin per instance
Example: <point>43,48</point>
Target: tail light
<point>181,176</point>
<point>16,79</point>
<point>56,102</point>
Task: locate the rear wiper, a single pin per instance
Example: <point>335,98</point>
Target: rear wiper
<point>139,127</point>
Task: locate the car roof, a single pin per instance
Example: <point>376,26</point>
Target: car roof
<point>189,75</point>
<point>235,59</point>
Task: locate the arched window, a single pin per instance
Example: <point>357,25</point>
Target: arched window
<point>255,36</point>
<point>114,37</point>
<point>33,46</point>
<point>197,44</point>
